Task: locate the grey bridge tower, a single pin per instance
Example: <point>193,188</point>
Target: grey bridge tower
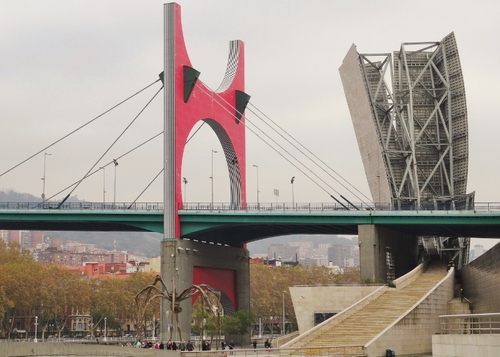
<point>409,114</point>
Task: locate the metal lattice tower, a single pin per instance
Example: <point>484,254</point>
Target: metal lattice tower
<point>410,118</point>
<point>417,112</point>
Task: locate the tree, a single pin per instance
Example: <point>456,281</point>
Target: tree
<point>267,284</point>
<point>19,279</point>
<point>231,324</point>
<point>238,323</point>
<point>134,284</point>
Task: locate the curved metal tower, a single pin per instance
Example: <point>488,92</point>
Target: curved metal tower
<point>410,118</point>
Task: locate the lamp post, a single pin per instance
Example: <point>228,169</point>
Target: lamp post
<point>36,328</point>
<point>114,186</point>
<point>154,327</point>
<point>283,330</point>
<point>103,168</point>
<point>257,167</point>
<point>43,178</point>
<point>185,189</point>
<point>293,198</point>
<point>105,329</point>
<point>212,178</point>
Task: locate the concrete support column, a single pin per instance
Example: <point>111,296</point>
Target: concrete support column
<point>179,260</point>
<point>375,242</point>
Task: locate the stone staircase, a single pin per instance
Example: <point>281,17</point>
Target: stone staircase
<point>360,327</point>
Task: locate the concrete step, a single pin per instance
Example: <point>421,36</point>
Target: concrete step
<point>365,324</point>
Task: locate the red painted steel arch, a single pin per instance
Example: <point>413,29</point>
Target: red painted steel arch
<point>218,110</point>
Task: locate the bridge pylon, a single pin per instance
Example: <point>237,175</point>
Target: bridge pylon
<point>187,102</point>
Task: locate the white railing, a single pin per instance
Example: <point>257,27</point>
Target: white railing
<point>470,324</point>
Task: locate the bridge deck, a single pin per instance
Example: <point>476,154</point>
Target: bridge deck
<point>237,227</point>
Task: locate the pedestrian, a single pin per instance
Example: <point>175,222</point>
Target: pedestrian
<point>169,344</point>
<point>182,345</point>
<point>254,343</point>
<point>138,344</point>
<point>231,347</point>
<point>174,346</point>
<point>267,344</point>
<point>162,346</point>
<point>222,345</point>
<point>189,346</point>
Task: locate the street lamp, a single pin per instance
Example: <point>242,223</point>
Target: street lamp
<point>103,168</point>
<point>293,198</point>
<point>257,167</point>
<point>283,331</point>
<point>114,187</point>
<point>43,178</point>
<point>154,327</point>
<point>105,329</point>
<point>185,189</point>
<point>36,328</point>
<point>212,178</point>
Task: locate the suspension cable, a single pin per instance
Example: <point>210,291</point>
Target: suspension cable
<point>145,188</point>
<point>280,146</point>
<point>77,129</point>
<point>310,152</point>
<point>279,153</point>
<point>109,148</point>
<point>106,165</point>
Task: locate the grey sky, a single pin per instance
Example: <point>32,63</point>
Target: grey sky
<point>64,62</point>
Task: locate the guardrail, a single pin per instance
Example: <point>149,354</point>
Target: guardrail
<point>338,351</point>
<point>470,324</point>
<point>223,206</point>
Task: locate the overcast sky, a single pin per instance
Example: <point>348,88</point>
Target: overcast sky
<point>62,63</point>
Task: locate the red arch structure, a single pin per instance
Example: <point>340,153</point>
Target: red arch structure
<point>187,102</point>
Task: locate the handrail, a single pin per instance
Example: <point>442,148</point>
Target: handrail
<point>247,207</point>
<point>301,351</point>
<point>470,324</point>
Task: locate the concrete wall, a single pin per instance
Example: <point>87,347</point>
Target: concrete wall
<point>364,127</point>
<point>310,299</point>
<point>480,280</point>
<point>181,256</point>
<point>22,349</point>
<point>344,314</point>
<point>412,333</point>
<point>465,345</point>
<point>374,242</point>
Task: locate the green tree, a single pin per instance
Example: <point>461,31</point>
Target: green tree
<point>238,323</point>
<point>231,324</point>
